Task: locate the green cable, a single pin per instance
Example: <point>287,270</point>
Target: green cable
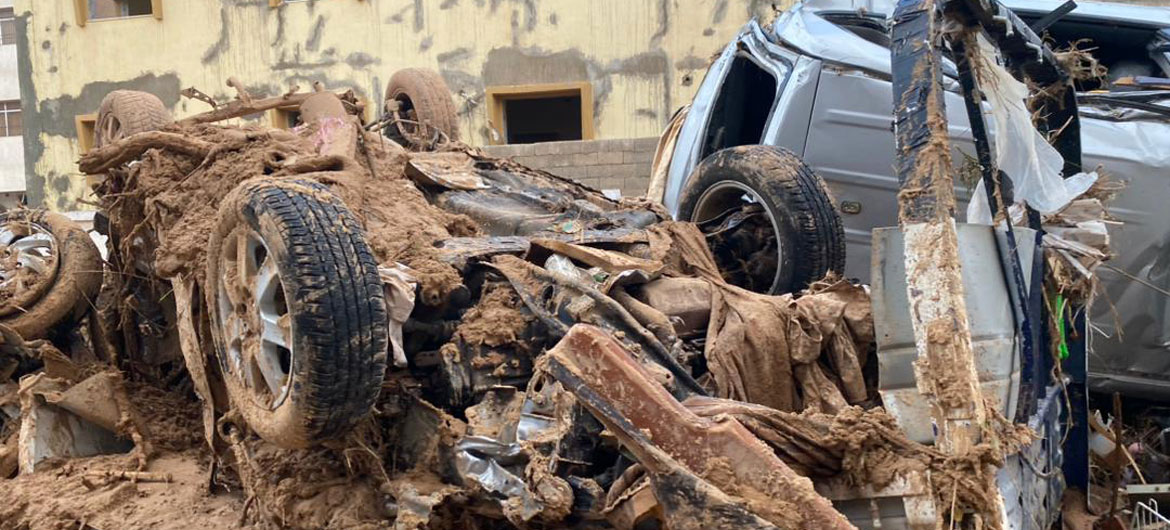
<point>1060,306</point>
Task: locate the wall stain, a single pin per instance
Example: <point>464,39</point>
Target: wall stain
<point>281,21</point>
<point>221,45</point>
<point>663,23</point>
<point>467,89</point>
<point>448,4</point>
<point>454,56</point>
<point>361,60</point>
<point>426,43</point>
<point>298,61</point>
<point>314,41</point>
<point>399,16</point>
<point>33,148</point>
<point>57,181</point>
<point>719,12</point>
<point>692,62</point>
<point>418,16</point>
<point>646,113</point>
<point>55,116</point>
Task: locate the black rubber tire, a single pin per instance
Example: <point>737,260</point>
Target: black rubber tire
<point>427,94</point>
<point>809,226</point>
<point>127,112</point>
<point>335,301</point>
<point>75,285</point>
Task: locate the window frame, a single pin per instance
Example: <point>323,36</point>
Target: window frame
<point>81,13</point>
<point>5,129</point>
<point>497,96</point>
<point>86,125</point>
<point>280,117</point>
<point>11,19</point>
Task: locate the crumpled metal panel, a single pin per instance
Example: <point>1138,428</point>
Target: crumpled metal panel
<point>1031,482</point>
<point>1135,357</point>
<point>993,328</point>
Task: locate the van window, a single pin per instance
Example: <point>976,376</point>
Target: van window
<point>742,107</point>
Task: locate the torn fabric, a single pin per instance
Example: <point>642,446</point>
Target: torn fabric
<point>399,283</point>
<point>787,352</point>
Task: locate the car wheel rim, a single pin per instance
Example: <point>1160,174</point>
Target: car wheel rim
<point>253,317</point>
<point>28,264</point>
<point>111,130</point>
<point>727,206</point>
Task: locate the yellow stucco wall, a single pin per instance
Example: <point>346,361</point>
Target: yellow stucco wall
<point>643,58</point>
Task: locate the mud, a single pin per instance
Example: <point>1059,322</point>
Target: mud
<point>86,493</point>
<point>176,197</point>
<point>867,448</point>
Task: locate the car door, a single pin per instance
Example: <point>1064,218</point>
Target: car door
<point>850,144</point>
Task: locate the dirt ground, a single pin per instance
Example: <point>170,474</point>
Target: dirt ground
<point>60,499</point>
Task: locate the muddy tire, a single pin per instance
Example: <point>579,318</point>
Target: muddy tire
<point>809,238</point>
<point>297,311</point>
<point>422,96</point>
<point>70,276</point>
<point>128,112</point>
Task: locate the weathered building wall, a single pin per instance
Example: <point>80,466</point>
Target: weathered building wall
<point>11,147</point>
<point>642,58</point>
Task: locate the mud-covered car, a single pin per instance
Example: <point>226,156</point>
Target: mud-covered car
<point>817,82</point>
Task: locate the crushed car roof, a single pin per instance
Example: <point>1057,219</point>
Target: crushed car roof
<point>1143,15</point>
<point>803,27</point>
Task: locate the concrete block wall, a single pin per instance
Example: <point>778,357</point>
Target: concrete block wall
<point>621,164</point>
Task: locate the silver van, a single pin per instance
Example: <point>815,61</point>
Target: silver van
<point>817,82</point>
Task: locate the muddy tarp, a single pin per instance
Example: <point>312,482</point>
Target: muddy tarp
<point>788,352</point>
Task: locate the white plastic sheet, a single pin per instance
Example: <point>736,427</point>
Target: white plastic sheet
<point>1021,151</point>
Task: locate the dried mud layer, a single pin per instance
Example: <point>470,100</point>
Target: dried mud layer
<point>166,202</point>
<point>177,197</point>
<point>88,493</point>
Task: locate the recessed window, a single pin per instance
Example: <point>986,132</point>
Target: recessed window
<point>541,113</point>
<point>99,9</point>
<point>10,124</point>
<point>86,128</point>
<point>286,117</point>
<point>7,26</point>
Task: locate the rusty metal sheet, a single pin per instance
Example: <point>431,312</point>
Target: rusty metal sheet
<point>617,389</point>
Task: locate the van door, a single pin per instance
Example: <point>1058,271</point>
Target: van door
<point>851,145</point>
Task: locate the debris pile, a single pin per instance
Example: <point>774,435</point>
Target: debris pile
<point>550,352</point>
